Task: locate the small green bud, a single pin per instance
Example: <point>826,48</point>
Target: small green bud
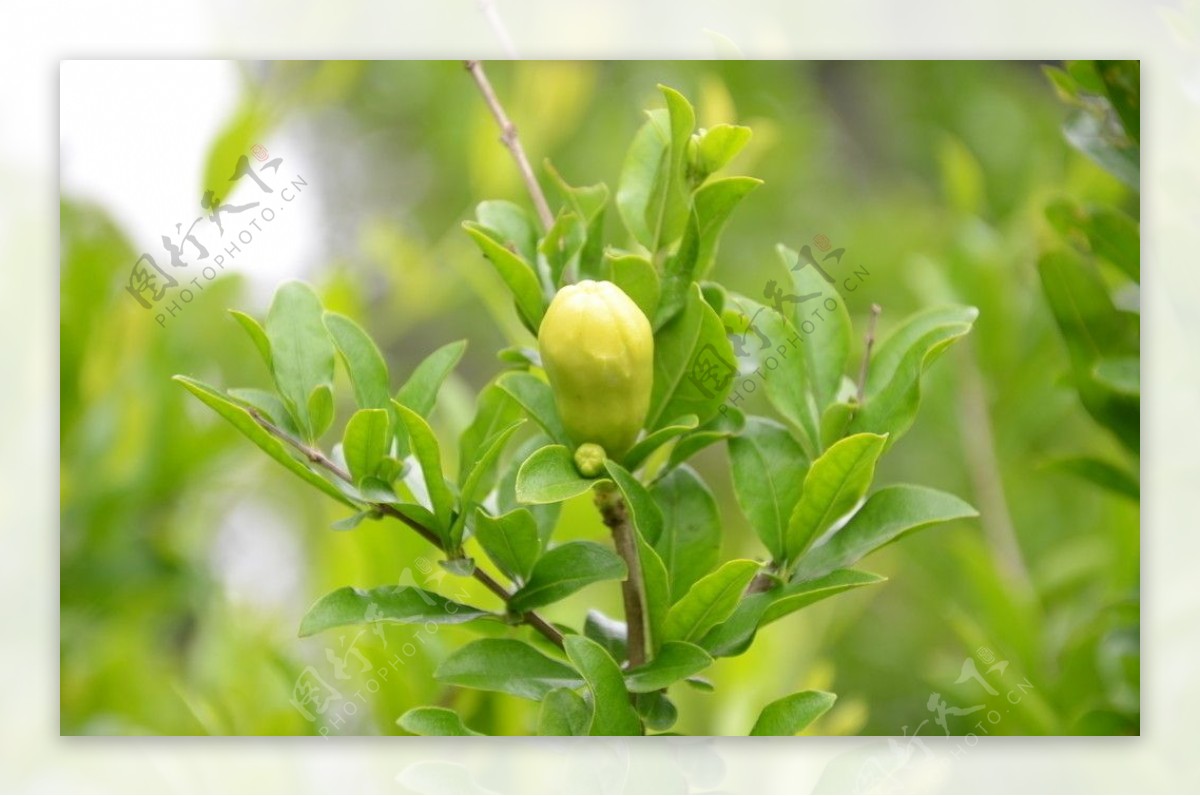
<point>589,459</point>
<point>598,351</point>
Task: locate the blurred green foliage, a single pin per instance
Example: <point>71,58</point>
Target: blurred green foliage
<point>187,558</point>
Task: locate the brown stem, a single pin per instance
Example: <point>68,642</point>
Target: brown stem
<point>508,136</point>
<point>317,457</point>
<point>616,516</point>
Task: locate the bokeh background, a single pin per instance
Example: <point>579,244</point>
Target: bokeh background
<point>187,558</point>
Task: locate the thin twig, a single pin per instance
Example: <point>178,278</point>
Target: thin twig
<point>616,516</point>
<point>508,136</point>
<point>866,361</point>
<point>317,457</point>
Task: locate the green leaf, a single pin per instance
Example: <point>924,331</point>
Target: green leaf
<point>643,511</point>
<point>301,352</point>
<point>506,665</point>
<point>545,514</point>
<point>511,541</point>
<point>710,601</point>
<point>366,441</point>
<point>367,369</point>
<point>690,541</point>
<point>512,227</point>
<point>420,392</point>
<point>258,335</point>
<point>429,456</point>
<point>395,604</point>
<point>494,411</point>
<point>655,440</point>
<point>657,710</point>
<point>564,570</point>
<point>1122,85</point>
<point>434,722</point>
<point>561,247</point>
<point>354,520</point>
<point>886,516</point>
<point>656,590</point>
<point>550,476</point>
<point>675,661</point>
<point>792,714</point>
<point>320,409</point>
<point>894,383</point>
<point>775,349</point>
<point>719,145</point>
<point>648,158</point>
<point>613,714</point>
<point>1104,231</point>
<point>1101,473</point>
<point>1092,134</point>
<point>712,205</point>
<point>733,636</point>
<point>516,273</point>
<point>1093,330</point>
<point>474,489</point>
<point>689,347</point>
<point>768,468</point>
<point>835,483</point>
<point>589,203</point>
<point>823,324</point>
<point>564,713</point>
<point>245,423</point>
<point>669,200</point>
<point>537,399</point>
<point>637,277</point>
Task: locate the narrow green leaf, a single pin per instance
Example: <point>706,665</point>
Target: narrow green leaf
<point>506,665</point>
<point>258,335</point>
<point>720,144</point>
<point>655,440</point>
<point>511,541</point>
<point>434,722</point>
<point>792,714</point>
<point>365,364</point>
<point>564,712</point>
<point>822,321</point>
<point>733,636</point>
<point>473,489</point>
<point>648,158</point>
<point>395,604</point>
<point>564,570</point>
<point>835,483</point>
<point>768,468</point>
<point>643,511</point>
<point>728,421</point>
<point>675,661</point>
<point>1101,473</point>
<point>366,441</point>
<point>710,601</point>
<point>613,715</point>
<point>494,411</point>
<point>536,398</point>
<point>429,456</point>
<point>894,382</point>
<point>420,392</point>
<point>301,352</point>
<point>886,516</point>
<point>589,203</point>
<point>693,365</point>
<point>550,476</point>
<point>517,274</point>
<point>690,542</point>
<point>637,277</point>
<point>512,226</point>
<point>559,250</point>
<point>245,423</point>
<point>320,410</point>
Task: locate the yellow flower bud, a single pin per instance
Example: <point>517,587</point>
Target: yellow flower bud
<point>598,351</point>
